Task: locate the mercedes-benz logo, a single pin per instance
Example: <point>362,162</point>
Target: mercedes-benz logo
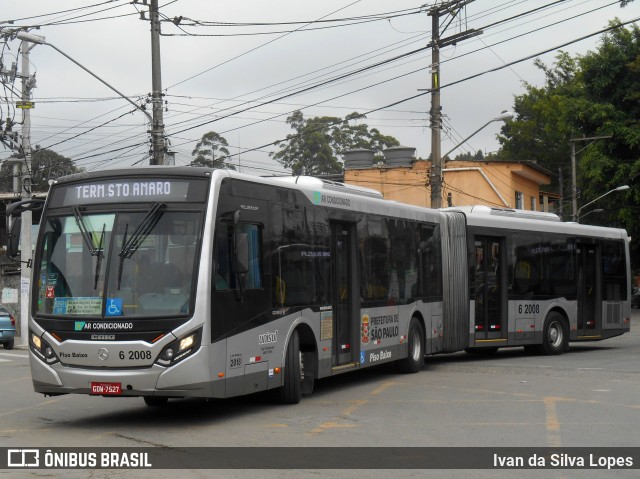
<point>103,354</point>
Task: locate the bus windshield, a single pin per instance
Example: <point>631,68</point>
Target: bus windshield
<point>128,263</point>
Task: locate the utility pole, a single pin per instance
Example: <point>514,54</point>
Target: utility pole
<point>574,184</point>
<point>561,192</point>
<point>157,128</point>
<point>452,8</point>
<point>435,114</point>
<point>28,84</point>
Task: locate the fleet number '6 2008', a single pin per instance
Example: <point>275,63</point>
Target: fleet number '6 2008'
<point>135,355</point>
<point>528,308</point>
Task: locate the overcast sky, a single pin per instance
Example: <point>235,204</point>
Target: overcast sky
<point>211,71</point>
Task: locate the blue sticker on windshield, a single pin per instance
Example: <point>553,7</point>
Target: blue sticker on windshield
<point>113,307</point>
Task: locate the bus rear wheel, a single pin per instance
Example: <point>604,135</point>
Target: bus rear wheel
<point>555,337</point>
<point>414,362</point>
<point>291,390</point>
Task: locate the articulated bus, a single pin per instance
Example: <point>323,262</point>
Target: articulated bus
<point>168,282</point>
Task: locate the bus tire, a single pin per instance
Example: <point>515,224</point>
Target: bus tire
<point>291,390</point>
<point>414,361</point>
<point>155,401</point>
<point>554,334</point>
<point>308,371</point>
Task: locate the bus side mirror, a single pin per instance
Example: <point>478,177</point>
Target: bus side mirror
<point>242,253</point>
<point>14,226</point>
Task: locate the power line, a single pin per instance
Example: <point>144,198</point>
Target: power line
<point>254,49</point>
<point>359,22</point>
<point>576,40</point>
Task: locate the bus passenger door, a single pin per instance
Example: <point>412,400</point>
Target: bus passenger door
<point>589,313</point>
<point>345,295</point>
<point>488,289</point>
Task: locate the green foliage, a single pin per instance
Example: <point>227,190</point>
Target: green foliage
<point>211,151</point>
<point>542,129</point>
<point>45,165</point>
<point>597,94</point>
<point>317,142</point>
<point>477,156</point>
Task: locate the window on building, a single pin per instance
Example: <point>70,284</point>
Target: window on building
<point>519,201</point>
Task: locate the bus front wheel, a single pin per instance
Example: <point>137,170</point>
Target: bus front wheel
<point>291,390</point>
<point>554,334</point>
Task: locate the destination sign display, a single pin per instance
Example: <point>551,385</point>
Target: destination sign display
<point>123,190</point>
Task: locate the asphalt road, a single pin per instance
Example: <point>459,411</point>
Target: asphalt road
<point>589,397</point>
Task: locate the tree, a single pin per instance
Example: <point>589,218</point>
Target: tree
<point>211,151</point>
<point>45,165</point>
<point>597,94</point>
<point>611,106</point>
<point>542,129</point>
<point>468,156</point>
<point>317,142</point>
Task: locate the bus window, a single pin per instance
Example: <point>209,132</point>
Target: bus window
<point>614,272</point>
<point>375,249</point>
<point>225,277</point>
<point>253,279</point>
<point>429,261</point>
<point>524,265</point>
<point>293,257</point>
<point>559,265</point>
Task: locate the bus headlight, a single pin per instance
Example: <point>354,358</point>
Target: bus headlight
<point>42,349</point>
<point>179,349</point>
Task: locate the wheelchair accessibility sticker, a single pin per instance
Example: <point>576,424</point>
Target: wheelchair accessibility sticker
<point>113,307</point>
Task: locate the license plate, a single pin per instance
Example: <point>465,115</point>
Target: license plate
<point>106,389</point>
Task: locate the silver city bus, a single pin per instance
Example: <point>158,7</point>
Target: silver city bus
<point>167,282</point>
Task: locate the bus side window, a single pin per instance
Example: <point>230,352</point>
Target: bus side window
<point>253,278</point>
<point>222,257</point>
<point>225,277</point>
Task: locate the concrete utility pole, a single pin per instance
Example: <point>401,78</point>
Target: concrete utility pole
<point>26,218</point>
<point>574,184</point>
<point>452,7</point>
<point>157,129</point>
<point>435,114</point>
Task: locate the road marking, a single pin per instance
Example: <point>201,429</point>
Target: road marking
<point>330,425</point>
<point>381,388</point>
<point>5,360</point>
<point>353,406</point>
<point>551,422</point>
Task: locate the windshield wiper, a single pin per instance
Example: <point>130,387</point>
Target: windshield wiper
<point>86,236</point>
<point>88,239</point>
<point>130,246</point>
<point>100,256</point>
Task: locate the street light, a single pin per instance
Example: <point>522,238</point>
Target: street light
<point>597,210</point>
<point>157,136</point>
<point>619,188</point>
<point>504,116</point>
